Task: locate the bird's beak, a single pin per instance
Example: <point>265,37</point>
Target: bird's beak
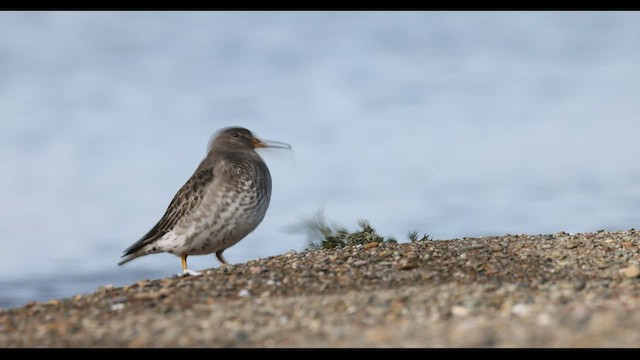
<point>258,143</point>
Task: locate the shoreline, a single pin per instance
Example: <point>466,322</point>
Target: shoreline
<point>561,290</point>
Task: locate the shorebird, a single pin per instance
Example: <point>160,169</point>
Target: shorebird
<point>224,200</point>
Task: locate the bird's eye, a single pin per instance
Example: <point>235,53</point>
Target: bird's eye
<point>235,135</point>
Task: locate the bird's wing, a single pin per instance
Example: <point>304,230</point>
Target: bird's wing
<point>188,198</point>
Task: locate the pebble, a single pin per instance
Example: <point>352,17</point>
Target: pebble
<point>407,264</point>
<point>520,309</point>
<point>572,245</point>
<point>150,296</point>
<point>371,245</point>
<point>116,307</point>
<point>105,288</point>
<point>457,310</point>
<point>557,254</point>
<point>472,247</point>
<point>632,271</point>
<point>120,299</point>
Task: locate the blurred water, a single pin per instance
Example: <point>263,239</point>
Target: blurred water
<point>451,123</point>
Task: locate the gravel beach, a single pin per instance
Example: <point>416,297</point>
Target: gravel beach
<point>561,290</point>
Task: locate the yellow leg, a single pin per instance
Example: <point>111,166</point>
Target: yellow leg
<point>186,271</point>
<point>219,256</point>
<point>184,262</point>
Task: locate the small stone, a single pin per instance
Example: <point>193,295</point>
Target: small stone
<point>601,265</point>
<point>371,245</point>
<point>120,300</point>
<point>407,264</point>
<point>457,310</point>
<point>255,269</point>
<point>556,254</point>
<point>150,296</point>
<point>495,248</point>
<point>631,271</point>
<point>105,288</point>
<point>116,307</point>
<point>573,245</point>
<point>471,247</point>
<point>520,309</point>
<point>627,244</point>
<point>359,246</point>
<point>244,293</point>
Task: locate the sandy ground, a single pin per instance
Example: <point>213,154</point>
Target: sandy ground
<point>559,290</point>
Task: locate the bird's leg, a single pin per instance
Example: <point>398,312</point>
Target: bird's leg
<point>186,271</point>
<point>184,262</point>
<point>221,258</point>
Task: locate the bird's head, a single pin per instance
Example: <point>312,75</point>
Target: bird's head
<point>242,137</point>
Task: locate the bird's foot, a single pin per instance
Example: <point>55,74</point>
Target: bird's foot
<point>188,272</point>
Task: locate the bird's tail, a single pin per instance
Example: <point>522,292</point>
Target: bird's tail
<point>128,258</point>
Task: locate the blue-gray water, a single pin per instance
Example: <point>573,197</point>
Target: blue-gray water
<point>450,123</point>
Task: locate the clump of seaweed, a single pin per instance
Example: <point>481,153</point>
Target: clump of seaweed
<point>323,235</point>
<point>413,237</point>
<point>367,234</point>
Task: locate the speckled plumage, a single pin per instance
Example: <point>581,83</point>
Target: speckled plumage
<point>223,201</point>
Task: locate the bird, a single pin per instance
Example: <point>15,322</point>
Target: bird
<point>224,200</point>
